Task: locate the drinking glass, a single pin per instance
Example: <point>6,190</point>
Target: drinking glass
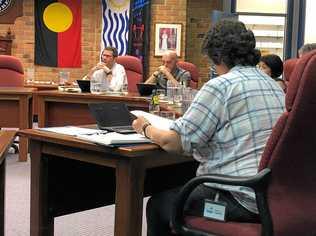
<point>95,87</point>
<point>63,77</point>
<point>187,98</point>
<point>29,75</point>
<point>177,97</point>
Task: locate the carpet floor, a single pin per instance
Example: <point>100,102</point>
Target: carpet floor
<point>96,222</point>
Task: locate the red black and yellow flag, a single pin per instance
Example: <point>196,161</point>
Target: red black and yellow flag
<point>58,33</point>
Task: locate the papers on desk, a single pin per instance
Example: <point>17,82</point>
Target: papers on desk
<point>70,130</point>
<point>112,138</point>
<point>101,137</point>
<point>154,120</point>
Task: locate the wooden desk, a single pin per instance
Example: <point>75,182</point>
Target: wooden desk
<point>39,87</point>
<point>69,175</point>
<point>6,139</point>
<point>16,112</point>
<point>57,108</point>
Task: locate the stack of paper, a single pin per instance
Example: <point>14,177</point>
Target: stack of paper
<point>113,138</point>
<point>154,120</point>
<point>99,136</point>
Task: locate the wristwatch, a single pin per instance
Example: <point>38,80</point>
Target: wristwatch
<point>144,129</point>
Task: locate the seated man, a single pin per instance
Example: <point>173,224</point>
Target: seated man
<point>112,75</point>
<point>169,71</point>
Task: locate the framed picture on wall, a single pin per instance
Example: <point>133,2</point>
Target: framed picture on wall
<point>167,37</point>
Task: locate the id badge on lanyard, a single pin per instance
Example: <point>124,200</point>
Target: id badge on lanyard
<point>214,209</point>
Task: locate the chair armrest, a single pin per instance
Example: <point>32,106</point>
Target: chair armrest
<point>257,182</point>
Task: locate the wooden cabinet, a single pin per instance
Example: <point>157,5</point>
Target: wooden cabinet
<point>6,43</point>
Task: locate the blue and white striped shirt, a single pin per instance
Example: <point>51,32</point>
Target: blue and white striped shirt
<point>228,123</point>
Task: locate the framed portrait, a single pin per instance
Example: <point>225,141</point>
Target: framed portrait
<point>167,37</point>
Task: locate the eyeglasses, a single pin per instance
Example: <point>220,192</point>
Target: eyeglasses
<point>105,55</point>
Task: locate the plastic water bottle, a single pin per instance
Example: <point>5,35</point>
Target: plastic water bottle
<point>170,91</point>
<point>154,107</point>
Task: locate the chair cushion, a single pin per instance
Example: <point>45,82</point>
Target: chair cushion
<point>134,70</point>
<point>278,130</point>
<point>11,63</point>
<point>288,67</point>
<point>298,72</point>
<point>188,66</point>
<point>224,228</point>
<point>130,63</point>
<point>11,78</point>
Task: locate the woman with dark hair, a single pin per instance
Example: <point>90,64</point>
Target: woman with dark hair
<point>225,129</point>
<point>272,65</point>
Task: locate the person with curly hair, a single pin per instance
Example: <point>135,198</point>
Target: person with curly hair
<point>272,65</point>
<point>225,129</point>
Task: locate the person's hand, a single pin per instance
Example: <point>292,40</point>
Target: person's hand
<point>164,70</point>
<point>139,123</point>
<point>102,66</point>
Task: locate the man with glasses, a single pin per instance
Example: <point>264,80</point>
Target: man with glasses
<point>112,74</point>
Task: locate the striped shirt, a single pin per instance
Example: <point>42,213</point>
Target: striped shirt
<point>178,73</point>
<point>228,123</point>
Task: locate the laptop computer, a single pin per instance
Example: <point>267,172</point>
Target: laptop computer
<point>113,117</point>
<point>145,89</point>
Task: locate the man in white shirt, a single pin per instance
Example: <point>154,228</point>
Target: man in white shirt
<point>112,75</point>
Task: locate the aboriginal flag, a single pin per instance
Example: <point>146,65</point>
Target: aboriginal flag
<point>58,33</point>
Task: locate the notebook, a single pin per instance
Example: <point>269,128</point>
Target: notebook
<point>114,117</point>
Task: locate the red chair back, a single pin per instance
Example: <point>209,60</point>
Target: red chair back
<point>134,70</point>
<point>193,71</point>
<point>11,71</point>
<point>288,67</point>
<point>290,154</point>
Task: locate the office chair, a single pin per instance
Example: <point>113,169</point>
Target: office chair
<point>11,71</point>
<point>288,67</point>
<point>285,183</point>
<point>193,71</point>
<point>11,75</point>
<point>134,70</point>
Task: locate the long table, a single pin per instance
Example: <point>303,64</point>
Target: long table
<point>6,139</point>
<point>57,108</point>
<point>39,86</point>
<point>16,112</point>
<point>70,175</point>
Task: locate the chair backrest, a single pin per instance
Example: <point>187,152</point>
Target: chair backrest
<point>11,71</point>
<point>288,67</point>
<point>193,71</point>
<point>290,154</point>
<point>134,70</point>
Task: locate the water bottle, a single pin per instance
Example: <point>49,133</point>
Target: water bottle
<point>154,107</point>
<point>170,92</point>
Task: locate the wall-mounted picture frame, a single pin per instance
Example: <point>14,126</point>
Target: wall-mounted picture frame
<point>167,37</point>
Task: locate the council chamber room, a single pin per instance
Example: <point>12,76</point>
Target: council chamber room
<point>157,118</point>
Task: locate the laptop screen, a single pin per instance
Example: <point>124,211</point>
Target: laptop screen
<point>110,114</point>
